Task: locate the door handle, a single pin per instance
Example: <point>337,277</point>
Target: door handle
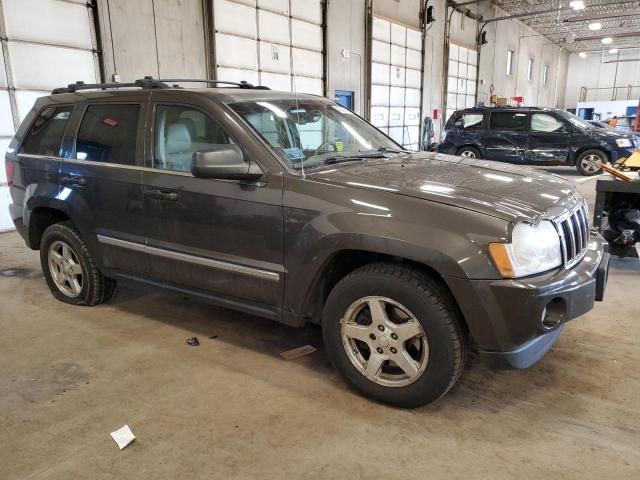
<point>74,181</point>
<point>162,194</point>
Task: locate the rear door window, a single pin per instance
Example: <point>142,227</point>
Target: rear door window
<point>513,121</point>
<point>108,133</point>
<point>45,135</point>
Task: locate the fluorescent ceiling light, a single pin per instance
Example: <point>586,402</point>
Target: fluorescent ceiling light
<point>613,50</point>
<point>607,40</point>
<point>595,26</point>
<point>577,5</point>
<point>582,55</point>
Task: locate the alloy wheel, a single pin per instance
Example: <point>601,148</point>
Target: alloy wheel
<point>384,341</point>
<point>589,163</point>
<point>65,269</point>
<point>468,154</point>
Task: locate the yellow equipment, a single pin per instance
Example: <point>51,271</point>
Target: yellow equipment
<point>632,161</point>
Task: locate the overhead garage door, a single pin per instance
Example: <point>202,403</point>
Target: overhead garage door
<point>396,54</point>
<point>276,43</point>
<point>461,84</point>
<point>49,43</point>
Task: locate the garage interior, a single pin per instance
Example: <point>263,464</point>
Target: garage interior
<point>234,407</point>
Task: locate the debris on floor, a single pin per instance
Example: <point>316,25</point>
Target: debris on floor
<point>213,336</point>
<point>193,341</point>
<point>298,352</point>
<point>7,273</point>
<point>123,436</point>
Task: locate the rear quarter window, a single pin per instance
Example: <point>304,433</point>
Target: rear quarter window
<point>45,134</point>
<point>470,120</point>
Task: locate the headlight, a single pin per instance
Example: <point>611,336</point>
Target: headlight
<point>623,142</point>
<point>533,249</point>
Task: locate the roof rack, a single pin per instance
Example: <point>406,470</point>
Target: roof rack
<point>148,82</point>
<point>241,84</point>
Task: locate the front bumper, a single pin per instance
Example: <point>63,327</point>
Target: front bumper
<point>618,153</point>
<point>505,317</point>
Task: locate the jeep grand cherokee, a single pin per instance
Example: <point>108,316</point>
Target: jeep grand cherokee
<point>293,208</point>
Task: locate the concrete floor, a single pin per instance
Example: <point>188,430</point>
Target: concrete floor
<point>232,408</point>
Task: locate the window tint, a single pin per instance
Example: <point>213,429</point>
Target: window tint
<point>470,120</point>
<point>179,132</point>
<point>108,133</point>
<point>45,135</point>
<point>509,121</point>
<point>541,122</point>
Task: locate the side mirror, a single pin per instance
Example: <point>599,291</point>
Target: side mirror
<point>224,162</point>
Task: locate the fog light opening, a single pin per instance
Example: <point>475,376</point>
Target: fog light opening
<point>553,314</point>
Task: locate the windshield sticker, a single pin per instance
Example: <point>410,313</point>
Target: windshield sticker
<point>294,153</point>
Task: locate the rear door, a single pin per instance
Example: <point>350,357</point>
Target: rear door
<point>506,139</point>
<point>101,179</point>
<point>549,139</point>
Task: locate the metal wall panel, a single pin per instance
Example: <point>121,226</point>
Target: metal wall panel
<point>180,39</point>
<point>270,41</point>
<point>396,72</point>
<point>6,118</point>
<point>42,67</point>
<point>48,21</point>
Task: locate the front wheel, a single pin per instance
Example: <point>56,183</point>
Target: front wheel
<point>69,269</point>
<point>395,334</point>
<point>587,162</point>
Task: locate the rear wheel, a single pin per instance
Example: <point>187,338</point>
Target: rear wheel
<point>395,334</point>
<point>469,152</point>
<point>69,269</point>
<point>587,162</point>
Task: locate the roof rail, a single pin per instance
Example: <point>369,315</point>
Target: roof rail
<point>241,84</point>
<point>148,82</point>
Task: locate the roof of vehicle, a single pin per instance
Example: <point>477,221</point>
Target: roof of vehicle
<point>509,108</point>
<point>226,92</point>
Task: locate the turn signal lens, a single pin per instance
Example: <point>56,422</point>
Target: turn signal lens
<point>501,259</point>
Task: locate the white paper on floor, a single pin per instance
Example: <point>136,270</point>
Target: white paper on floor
<point>123,436</point>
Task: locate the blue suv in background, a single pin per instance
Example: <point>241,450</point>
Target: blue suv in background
<point>534,136</point>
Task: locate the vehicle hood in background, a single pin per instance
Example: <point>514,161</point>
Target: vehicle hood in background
<point>498,189</point>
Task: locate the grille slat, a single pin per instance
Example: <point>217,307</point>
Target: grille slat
<point>574,234</point>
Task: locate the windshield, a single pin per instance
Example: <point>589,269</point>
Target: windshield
<point>310,132</point>
<point>575,120</point>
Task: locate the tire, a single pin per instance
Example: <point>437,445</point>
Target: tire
<point>69,269</point>
<point>469,152</point>
<point>405,292</point>
<point>585,163</point>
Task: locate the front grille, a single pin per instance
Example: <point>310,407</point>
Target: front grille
<point>573,228</point>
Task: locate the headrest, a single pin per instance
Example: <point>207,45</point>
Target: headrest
<point>191,126</point>
<point>178,138</point>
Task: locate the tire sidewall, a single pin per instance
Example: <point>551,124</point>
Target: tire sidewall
<point>475,151</point>
<point>601,154</point>
<point>432,314</point>
<point>60,232</point>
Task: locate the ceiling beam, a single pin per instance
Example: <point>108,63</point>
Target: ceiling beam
<point>603,16</point>
<point>612,35</point>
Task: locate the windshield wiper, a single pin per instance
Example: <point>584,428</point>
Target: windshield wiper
<point>352,158</point>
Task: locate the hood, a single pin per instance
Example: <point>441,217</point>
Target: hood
<point>609,134</point>
<point>498,189</point>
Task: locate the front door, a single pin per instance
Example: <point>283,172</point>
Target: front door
<point>506,140</point>
<point>223,237</point>
<point>548,140</point>
<point>101,178</point>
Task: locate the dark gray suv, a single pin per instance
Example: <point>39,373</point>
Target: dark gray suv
<point>293,208</point>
